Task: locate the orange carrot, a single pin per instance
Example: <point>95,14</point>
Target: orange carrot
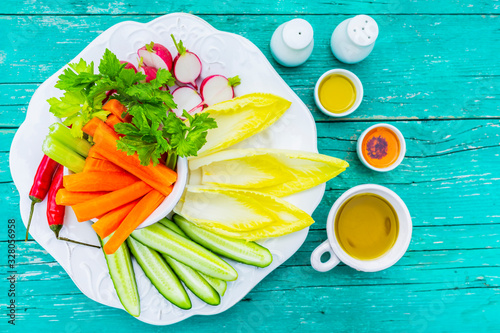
<point>139,213</point>
<point>110,221</point>
<point>98,181</point>
<point>89,209</point>
<point>115,107</point>
<point>112,121</point>
<point>98,164</point>
<point>67,198</point>
<point>92,125</point>
<point>159,176</point>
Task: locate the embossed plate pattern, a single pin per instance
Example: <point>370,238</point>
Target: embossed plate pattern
<point>220,52</point>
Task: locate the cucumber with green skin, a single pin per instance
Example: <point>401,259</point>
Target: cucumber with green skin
<point>172,226</point>
<point>168,242</point>
<point>123,277</point>
<point>219,285</point>
<point>240,250</point>
<point>194,281</point>
<point>160,274</point>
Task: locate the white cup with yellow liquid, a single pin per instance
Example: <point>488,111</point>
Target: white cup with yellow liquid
<point>369,228</point>
<point>338,92</point>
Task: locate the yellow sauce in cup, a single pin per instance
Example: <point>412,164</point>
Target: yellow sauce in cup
<point>337,93</point>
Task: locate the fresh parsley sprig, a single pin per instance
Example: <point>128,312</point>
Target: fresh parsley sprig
<point>154,130</point>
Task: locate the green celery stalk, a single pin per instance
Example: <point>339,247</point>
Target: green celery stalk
<point>60,153</point>
<point>63,134</point>
<point>171,160</point>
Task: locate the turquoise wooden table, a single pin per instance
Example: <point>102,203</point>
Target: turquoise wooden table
<point>434,73</point>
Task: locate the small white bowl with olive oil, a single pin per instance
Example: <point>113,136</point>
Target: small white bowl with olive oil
<point>338,92</point>
<point>369,228</point>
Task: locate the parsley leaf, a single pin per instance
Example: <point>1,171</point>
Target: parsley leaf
<point>186,137</point>
<point>110,65</point>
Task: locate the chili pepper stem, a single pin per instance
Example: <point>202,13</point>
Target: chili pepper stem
<point>77,242</point>
<point>33,202</point>
<point>57,227</point>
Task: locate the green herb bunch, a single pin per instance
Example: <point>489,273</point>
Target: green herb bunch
<point>154,130</point>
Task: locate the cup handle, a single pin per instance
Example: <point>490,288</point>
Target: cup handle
<point>316,262</point>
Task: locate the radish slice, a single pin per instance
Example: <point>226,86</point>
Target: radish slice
<point>128,65</point>
<point>196,110</point>
<point>217,88</point>
<point>150,72</point>
<point>187,65</point>
<point>156,55</point>
<point>187,99</point>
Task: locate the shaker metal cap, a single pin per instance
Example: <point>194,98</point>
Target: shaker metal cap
<point>362,30</point>
<point>298,34</point>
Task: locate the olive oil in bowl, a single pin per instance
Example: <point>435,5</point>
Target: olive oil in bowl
<point>366,226</point>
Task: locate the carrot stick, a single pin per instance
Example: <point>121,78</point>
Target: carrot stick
<point>67,198</point>
<point>115,107</point>
<point>89,209</point>
<point>159,176</point>
<point>98,164</point>
<point>139,213</point>
<point>110,221</point>
<point>112,120</point>
<point>98,181</point>
<point>92,125</point>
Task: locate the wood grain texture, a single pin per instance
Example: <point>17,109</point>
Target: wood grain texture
<point>246,7</point>
<point>433,75</point>
<point>423,68</point>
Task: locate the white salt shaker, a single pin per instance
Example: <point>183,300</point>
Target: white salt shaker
<point>292,42</point>
<point>354,39</point>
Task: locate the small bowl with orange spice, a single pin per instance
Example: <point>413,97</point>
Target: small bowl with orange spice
<point>381,147</point>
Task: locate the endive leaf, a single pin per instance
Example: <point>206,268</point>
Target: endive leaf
<point>241,214</point>
<point>242,117</point>
<point>276,172</point>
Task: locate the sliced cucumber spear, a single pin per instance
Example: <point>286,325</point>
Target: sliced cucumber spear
<point>160,274</point>
<point>123,277</point>
<point>191,278</point>
<point>168,242</point>
<point>194,281</point>
<point>240,250</point>
<point>219,285</point>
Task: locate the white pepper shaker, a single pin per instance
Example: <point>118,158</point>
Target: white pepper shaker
<point>292,42</point>
<point>354,39</point>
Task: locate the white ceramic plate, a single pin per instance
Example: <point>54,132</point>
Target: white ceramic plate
<point>221,52</point>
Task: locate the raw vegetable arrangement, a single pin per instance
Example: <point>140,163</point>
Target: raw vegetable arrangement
<point>121,133</point>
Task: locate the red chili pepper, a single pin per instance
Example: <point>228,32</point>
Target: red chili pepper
<point>41,184</point>
<point>55,212</point>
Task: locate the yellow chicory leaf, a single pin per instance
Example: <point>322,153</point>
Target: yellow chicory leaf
<point>276,172</point>
<point>241,214</point>
<point>242,117</point>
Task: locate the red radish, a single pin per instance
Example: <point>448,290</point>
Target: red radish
<point>150,72</point>
<point>156,55</point>
<point>217,88</point>
<point>128,65</point>
<point>187,99</point>
<point>187,65</point>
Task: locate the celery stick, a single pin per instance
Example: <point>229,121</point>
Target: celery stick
<point>61,154</point>
<point>63,134</point>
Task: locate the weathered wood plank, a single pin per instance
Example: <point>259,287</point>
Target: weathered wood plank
<point>423,285</point>
<point>12,115</point>
<point>249,7</point>
<point>425,68</point>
